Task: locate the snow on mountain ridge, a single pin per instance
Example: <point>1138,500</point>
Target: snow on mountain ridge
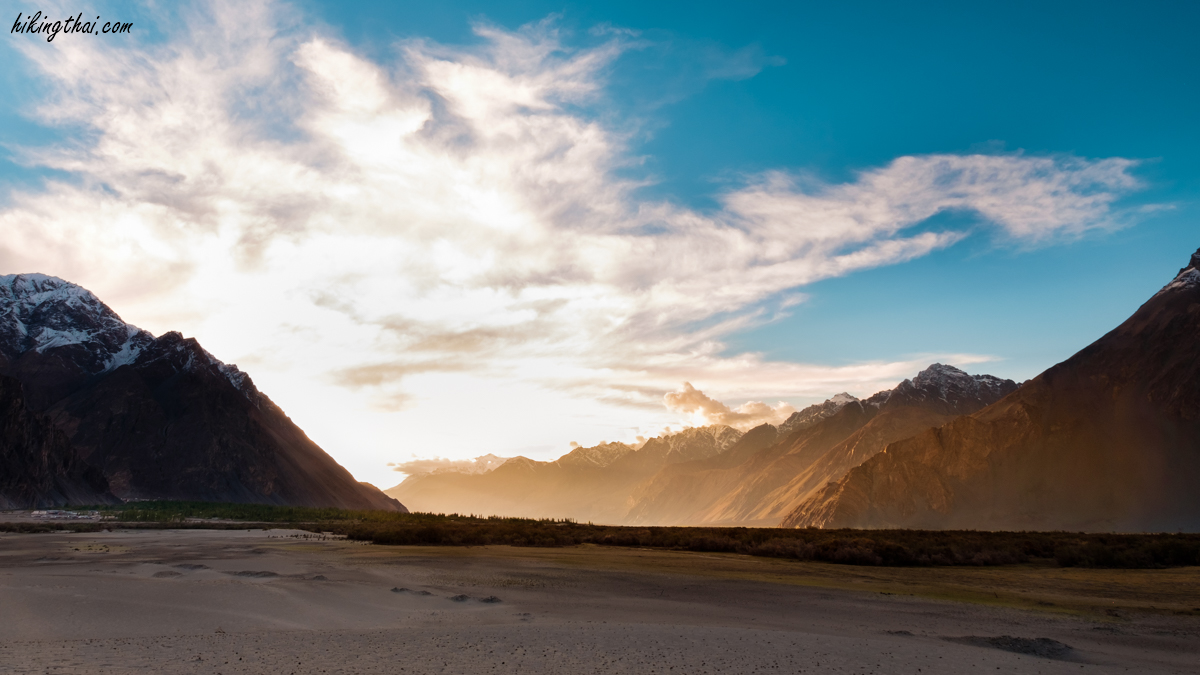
<point>40,312</point>
<point>1188,277</point>
<point>46,312</point>
<point>951,385</point>
<point>809,416</point>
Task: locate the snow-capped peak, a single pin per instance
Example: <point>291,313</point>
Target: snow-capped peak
<point>39,312</point>
<point>951,385</point>
<point>940,375</point>
<point>815,413</point>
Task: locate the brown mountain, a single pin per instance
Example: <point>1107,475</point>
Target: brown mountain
<point>760,487</point>
<point>588,484</point>
<point>38,465</point>
<point>1107,440</point>
<point>160,418</point>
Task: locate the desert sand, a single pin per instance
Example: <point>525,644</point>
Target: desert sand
<point>281,601</point>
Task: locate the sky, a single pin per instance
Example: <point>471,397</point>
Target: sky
<point>443,230</point>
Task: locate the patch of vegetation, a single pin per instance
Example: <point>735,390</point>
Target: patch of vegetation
<point>42,528</point>
<point>894,548</point>
<point>181,512</point>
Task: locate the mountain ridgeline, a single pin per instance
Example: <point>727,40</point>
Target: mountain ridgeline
<point>710,475</point>
<point>96,410</point>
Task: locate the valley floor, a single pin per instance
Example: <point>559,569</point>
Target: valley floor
<point>280,601</point>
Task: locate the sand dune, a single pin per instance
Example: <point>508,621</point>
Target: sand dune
<point>193,601</point>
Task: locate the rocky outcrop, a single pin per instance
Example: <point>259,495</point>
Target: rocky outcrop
<point>1107,440</point>
<point>38,466</point>
<point>160,418</point>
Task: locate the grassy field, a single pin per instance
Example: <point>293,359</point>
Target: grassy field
<point>866,548</point>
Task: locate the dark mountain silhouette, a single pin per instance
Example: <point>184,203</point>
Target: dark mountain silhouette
<point>1107,440</point>
<point>160,418</point>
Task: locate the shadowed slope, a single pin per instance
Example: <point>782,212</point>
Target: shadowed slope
<point>38,466</point>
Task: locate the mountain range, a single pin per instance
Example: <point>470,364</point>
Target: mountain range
<point>710,475</point>
<point>96,410</point>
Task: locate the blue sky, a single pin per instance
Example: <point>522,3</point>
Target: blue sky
<point>544,216</point>
<point>864,82</point>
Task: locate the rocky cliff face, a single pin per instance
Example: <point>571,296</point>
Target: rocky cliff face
<point>38,466</point>
<point>160,418</point>
<point>1107,440</point>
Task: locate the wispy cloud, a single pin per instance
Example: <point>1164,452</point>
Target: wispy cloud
<point>461,210</point>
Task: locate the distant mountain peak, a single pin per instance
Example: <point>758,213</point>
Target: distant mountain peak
<point>944,378</point>
<point>809,416</point>
<point>597,456</point>
<point>938,371</point>
<point>946,387</point>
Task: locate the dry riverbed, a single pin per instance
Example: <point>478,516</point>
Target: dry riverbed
<point>279,601</point>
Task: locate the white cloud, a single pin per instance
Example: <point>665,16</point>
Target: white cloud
<point>701,410</point>
<point>385,236</point>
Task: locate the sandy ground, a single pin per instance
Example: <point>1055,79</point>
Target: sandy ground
<point>194,601</point>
